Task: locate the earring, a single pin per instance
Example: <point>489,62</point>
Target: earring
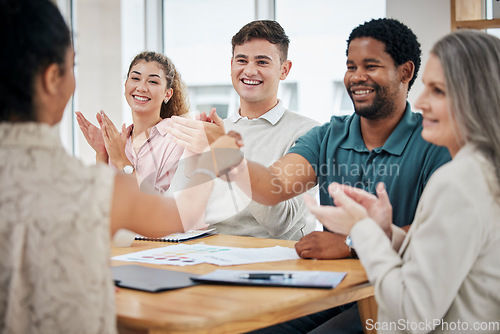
<point>165,101</point>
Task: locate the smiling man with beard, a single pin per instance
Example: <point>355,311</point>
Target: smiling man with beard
<point>383,59</point>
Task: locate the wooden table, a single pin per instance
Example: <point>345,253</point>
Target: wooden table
<point>236,309</point>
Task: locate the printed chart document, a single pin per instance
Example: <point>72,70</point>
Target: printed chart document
<point>183,255</point>
<point>297,279</point>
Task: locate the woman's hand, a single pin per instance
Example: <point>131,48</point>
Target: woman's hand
<point>340,218</point>
<point>93,135</point>
<point>114,141</point>
<point>351,206</point>
<point>378,207</point>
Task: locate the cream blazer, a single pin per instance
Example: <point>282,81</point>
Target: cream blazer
<point>446,276</point>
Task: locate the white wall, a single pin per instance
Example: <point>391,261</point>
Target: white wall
<point>98,58</point>
<point>429,19</point>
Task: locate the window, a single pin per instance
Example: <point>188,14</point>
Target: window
<point>67,126</point>
<point>317,49</point>
<point>206,97</point>
<point>492,9</point>
<point>198,41</point>
<point>198,35</point>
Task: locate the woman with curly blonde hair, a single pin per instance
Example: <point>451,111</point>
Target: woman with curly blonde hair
<point>155,92</point>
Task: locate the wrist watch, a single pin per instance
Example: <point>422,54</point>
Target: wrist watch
<point>128,169</point>
<point>348,242</point>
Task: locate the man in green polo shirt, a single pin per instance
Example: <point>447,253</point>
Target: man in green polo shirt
<point>337,153</point>
<point>381,142</point>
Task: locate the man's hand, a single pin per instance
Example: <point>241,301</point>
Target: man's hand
<point>195,135</point>
<point>224,154</point>
<point>231,140</point>
<point>213,124</point>
<point>322,246</point>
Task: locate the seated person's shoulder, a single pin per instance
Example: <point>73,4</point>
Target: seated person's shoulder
<point>421,148</point>
<point>468,166</point>
<point>337,126</point>
<point>342,119</point>
<point>298,119</point>
<point>338,123</point>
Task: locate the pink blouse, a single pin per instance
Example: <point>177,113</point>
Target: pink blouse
<point>156,160</point>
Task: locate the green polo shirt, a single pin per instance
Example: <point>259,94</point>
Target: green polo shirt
<point>337,153</point>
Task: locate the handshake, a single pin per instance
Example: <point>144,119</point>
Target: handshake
<point>221,157</point>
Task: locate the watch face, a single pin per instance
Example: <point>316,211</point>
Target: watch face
<point>348,241</point>
<point>128,169</point>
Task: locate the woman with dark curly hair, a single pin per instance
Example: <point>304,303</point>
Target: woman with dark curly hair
<point>57,215</point>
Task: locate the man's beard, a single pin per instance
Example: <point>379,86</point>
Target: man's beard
<point>382,106</point>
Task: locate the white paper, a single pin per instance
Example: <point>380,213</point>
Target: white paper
<point>184,255</point>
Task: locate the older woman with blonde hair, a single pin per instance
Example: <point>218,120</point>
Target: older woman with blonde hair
<point>444,274</point>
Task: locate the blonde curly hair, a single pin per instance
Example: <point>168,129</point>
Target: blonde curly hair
<point>179,102</point>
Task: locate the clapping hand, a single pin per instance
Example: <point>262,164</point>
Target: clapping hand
<point>351,206</point>
<point>93,135</point>
<point>114,141</point>
<point>378,207</point>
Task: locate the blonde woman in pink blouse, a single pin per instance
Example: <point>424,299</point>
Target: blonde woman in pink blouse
<point>154,91</point>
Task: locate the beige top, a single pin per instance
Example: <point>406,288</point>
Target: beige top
<point>446,277</point>
<point>54,236</point>
<point>266,139</point>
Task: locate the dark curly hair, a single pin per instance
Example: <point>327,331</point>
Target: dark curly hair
<point>400,42</point>
<point>33,35</point>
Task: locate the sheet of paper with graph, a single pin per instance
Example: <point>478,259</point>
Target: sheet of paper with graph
<point>183,255</point>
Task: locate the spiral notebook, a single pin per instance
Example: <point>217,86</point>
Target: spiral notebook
<point>179,237</point>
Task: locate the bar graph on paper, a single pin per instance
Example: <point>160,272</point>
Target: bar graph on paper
<point>185,255</point>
